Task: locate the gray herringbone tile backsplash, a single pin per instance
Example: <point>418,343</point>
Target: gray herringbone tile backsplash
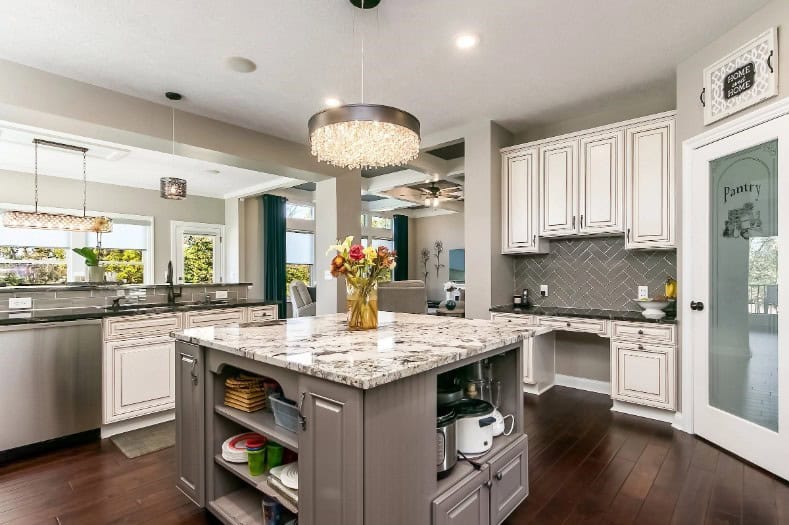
<point>593,273</point>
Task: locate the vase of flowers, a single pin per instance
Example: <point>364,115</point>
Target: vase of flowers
<point>363,268</point>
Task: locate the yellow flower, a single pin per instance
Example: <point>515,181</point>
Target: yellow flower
<point>370,253</point>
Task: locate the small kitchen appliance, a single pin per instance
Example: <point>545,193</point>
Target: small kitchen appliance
<point>446,444</point>
<point>474,426</point>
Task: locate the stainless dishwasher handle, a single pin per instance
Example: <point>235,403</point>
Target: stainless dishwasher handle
<point>193,361</point>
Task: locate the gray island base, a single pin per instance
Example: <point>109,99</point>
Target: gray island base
<point>367,445</point>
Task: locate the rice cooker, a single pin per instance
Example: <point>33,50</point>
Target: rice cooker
<point>475,426</point>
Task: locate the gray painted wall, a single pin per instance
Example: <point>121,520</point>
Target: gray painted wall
<point>593,273</point>
<point>108,198</point>
<point>426,230</point>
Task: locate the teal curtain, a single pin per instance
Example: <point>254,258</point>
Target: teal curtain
<point>274,221</point>
<point>400,235</point>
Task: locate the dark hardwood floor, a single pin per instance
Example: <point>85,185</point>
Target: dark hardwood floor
<point>586,465</point>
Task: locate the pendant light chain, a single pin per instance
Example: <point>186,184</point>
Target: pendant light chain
<point>35,176</point>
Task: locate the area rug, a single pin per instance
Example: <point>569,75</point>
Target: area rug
<point>145,440</point>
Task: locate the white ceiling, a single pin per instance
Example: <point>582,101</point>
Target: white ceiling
<point>124,166</point>
<point>538,60</point>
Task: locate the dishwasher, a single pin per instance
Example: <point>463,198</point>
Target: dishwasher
<point>51,385</point>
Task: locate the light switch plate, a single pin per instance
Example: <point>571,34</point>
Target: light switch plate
<point>643,292</point>
<point>544,290</point>
<point>20,303</point>
<point>327,275</point>
<point>221,294</point>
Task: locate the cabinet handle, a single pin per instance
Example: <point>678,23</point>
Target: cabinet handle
<point>573,221</point>
<point>192,361</point>
<point>302,419</point>
<point>582,220</point>
<point>534,239</point>
<point>628,235</point>
<point>499,475</point>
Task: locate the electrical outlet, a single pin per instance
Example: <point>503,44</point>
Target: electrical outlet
<point>643,292</point>
<point>543,290</point>
<point>221,294</point>
<point>20,303</point>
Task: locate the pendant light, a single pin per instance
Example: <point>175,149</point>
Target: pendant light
<point>58,221</point>
<point>172,188</point>
<point>364,135</point>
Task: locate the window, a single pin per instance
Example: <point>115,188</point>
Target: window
<point>389,243</point>
<point>29,256</point>
<point>304,212</point>
<point>384,223</point>
<point>33,256</point>
<point>299,257</point>
<point>197,252</point>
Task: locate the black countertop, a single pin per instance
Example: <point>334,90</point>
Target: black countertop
<point>100,312</point>
<point>107,286</point>
<point>555,311</point>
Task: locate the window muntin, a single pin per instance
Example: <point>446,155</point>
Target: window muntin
<point>303,212</point>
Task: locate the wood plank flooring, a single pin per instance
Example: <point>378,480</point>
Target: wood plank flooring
<point>586,465</point>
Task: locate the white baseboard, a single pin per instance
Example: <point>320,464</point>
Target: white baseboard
<point>138,422</point>
<point>643,411</point>
<point>536,389</point>
<point>582,383</point>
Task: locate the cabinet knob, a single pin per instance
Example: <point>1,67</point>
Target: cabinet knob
<point>697,306</point>
<point>499,476</point>
<point>569,323</point>
<point>640,347</point>
<point>489,483</point>
<point>640,332</point>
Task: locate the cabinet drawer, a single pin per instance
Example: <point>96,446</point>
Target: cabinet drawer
<point>140,326</point>
<point>644,374</point>
<point>509,472</point>
<point>256,314</point>
<point>468,503</point>
<point>526,320</point>
<point>648,332</point>
<point>574,324</point>
<point>215,317</point>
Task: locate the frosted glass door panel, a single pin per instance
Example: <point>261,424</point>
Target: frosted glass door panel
<point>743,317</point>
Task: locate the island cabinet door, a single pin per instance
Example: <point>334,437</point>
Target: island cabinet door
<point>467,503</point>
<point>331,454</point>
<point>190,421</point>
<point>510,476</point>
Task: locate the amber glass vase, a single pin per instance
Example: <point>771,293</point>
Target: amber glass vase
<point>362,302</point>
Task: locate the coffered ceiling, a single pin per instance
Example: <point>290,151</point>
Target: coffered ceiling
<point>537,60</point>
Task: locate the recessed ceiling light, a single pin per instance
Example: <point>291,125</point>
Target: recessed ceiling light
<point>332,102</point>
<point>241,64</point>
<point>466,41</point>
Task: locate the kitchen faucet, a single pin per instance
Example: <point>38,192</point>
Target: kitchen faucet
<point>171,293</point>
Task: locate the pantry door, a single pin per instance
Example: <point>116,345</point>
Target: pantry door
<point>738,244</point>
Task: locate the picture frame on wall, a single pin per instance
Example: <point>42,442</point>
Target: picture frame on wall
<point>744,77</point>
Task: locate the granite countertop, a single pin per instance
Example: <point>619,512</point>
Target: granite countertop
<point>555,311</point>
<point>402,346</point>
<point>17,317</point>
<point>107,286</point>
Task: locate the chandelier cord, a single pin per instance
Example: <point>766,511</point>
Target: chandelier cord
<point>85,183</point>
<point>362,31</point>
<point>172,146</point>
<point>35,177</point>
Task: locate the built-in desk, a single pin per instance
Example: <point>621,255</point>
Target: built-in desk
<point>643,352</point>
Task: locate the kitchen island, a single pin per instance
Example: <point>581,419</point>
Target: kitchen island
<point>367,403</point>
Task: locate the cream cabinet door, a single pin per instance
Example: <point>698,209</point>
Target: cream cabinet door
<point>558,191</point>
<point>519,203</point>
<point>601,183</point>
<point>139,377</point>
<point>650,186</point>
<point>644,374</point>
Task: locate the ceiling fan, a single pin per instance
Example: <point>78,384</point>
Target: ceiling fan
<point>432,194</point>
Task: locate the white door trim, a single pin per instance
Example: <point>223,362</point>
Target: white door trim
<point>196,228</point>
<point>684,417</point>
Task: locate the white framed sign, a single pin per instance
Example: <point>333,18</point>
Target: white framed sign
<point>741,79</point>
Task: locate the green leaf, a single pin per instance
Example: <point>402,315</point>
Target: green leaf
<point>90,255</point>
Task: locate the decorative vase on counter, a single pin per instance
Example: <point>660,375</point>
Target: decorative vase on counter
<point>96,274</point>
<point>362,305</point>
<point>363,268</point>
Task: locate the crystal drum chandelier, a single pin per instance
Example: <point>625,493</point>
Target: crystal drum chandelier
<point>363,135</point>
<point>57,221</point>
<point>172,188</point>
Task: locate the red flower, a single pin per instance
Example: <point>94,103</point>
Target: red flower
<point>357,252</point>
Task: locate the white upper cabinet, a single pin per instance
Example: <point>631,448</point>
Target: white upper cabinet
<point>650,185</point>
<point>519,203</point>
<point>612,180</point>
<point>558,193</point>
<point>601,184</point>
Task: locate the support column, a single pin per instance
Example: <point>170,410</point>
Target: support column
<point>338,206</point>
<point>489,275</point>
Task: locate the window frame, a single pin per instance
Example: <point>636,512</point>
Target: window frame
<point>180,228</point>
<point>81,239</point>
<point>313,280</point>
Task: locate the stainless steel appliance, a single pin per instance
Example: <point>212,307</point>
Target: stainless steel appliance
<point>52,382</point>
<point>446,444</point>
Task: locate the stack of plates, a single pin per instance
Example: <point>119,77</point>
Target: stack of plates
<point>245,392</point>
<point>234,449</point>
<point>287,474</point>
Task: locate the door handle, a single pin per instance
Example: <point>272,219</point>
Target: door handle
<point>192,361</point>
<point>697,306</point>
